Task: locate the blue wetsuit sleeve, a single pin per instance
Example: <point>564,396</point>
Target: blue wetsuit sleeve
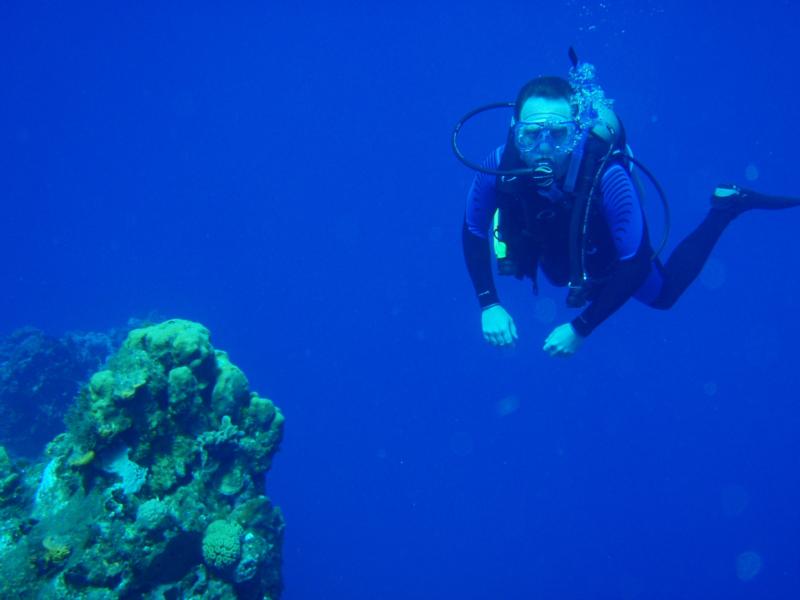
<point>481,205</point>
<point>482,198</point>
<point>623,213</point>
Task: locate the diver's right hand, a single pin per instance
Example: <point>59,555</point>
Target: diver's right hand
<point>498,326</point>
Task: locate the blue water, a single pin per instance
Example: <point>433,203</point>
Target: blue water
<point>281,172</point>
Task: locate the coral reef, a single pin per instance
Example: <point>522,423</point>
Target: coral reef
<point>39,377</point>
<point>156,489</point>
<point>222,544</point>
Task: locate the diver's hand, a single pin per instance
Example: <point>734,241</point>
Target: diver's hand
<point>498,326</point>
<point>563,341</point>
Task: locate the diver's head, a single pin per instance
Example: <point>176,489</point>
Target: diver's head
<point>545,131</point>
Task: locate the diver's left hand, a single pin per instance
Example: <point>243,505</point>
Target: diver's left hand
<point>563,341</point>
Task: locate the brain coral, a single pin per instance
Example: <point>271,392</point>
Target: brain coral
<point>222,544</point>
<point>152,514</point>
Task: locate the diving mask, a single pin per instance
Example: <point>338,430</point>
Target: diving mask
<point>559,133</point>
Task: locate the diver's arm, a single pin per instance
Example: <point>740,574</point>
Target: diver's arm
<point>625,281</point>
<point>623,212</point>
<point>478,257</point>
<point>497,325</point>
<point>481,205</point>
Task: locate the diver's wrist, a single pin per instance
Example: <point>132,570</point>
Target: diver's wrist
<point>580,326</point>
<point>487,299</point>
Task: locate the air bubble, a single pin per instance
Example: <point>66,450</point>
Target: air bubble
<point>507,406</point>
<point>751,172</point>
<point>748,565</point>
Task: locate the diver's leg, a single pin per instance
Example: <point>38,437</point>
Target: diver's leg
<point>651,288</point>
<point>689,257</point>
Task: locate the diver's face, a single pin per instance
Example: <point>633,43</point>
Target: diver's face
<point>546,110</point>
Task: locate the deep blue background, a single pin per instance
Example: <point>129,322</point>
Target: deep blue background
<point>282,174</point>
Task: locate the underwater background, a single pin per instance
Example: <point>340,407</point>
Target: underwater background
<point>281,173</point>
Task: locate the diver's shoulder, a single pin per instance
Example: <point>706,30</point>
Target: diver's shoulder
<point>608,127</point>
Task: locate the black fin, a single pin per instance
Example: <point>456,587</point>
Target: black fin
<point>573,56</point>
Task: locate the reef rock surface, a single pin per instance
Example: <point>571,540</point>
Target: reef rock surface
<point>156,490</point>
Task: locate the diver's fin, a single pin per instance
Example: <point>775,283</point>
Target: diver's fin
<point>739,199</point>
<point>573,56</point>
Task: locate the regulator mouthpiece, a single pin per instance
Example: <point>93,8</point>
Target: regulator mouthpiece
<point>543,174</point>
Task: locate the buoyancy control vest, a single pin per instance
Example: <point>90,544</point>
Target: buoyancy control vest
<point>563,230</point>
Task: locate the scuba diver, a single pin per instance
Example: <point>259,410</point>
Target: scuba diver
<point>562,196</point>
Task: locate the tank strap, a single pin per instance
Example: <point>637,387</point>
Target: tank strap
<point>594,153</point>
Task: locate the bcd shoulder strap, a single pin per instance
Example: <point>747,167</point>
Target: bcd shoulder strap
<point>596,156</point>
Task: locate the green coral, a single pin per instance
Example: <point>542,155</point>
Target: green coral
<point>261,445</point>
<point>105,413</point>
<point>175,342</point>
<point>183,391</point>
<point>231,390</point>
<point>259,412</point>
<point>117,395</point>
<point>232,481</point>
<point>226,433</point>
<point>152,514</point>
<point>167,437</point>
<point>222,544</point>
<point>9,477</point>
<point>162,475</point>
<point>159,372</point>
<point>171,465</point>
